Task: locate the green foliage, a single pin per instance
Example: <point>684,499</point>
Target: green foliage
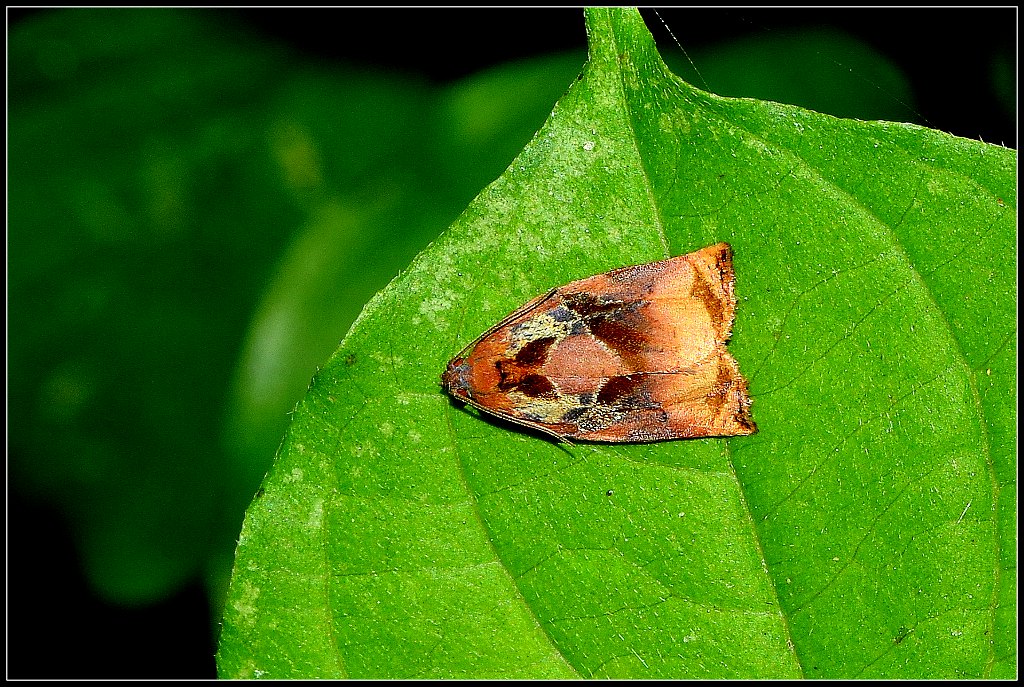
<point>129,283</point>
<point>867,531</point>
<point>195,219</point>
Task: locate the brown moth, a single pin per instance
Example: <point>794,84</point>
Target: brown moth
<point>635,354</point>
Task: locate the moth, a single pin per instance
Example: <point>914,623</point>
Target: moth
<point>633,355</point>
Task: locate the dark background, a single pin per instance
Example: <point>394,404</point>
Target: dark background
<point>58,628</point>
<point>946,53</point>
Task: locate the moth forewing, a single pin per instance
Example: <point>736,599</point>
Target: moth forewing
<point>634,354</point>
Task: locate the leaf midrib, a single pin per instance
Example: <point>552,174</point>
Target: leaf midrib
<point>659,224</point>
<point>915,276</point>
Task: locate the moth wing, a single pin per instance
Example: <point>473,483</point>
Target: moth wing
<point>710,400</point>
<point>664,316</point>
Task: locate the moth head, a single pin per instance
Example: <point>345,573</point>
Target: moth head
<point>454,379</point>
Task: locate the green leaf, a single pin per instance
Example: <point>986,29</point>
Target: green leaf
<point>349,247</point>
<point>165,167</point>
<point>867,531</point>
<point>129,291</point>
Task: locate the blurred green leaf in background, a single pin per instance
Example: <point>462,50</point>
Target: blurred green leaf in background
<point>197,215</point>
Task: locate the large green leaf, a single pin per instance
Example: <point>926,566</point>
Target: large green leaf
<point>164,165</point>
<point>868,530</point>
